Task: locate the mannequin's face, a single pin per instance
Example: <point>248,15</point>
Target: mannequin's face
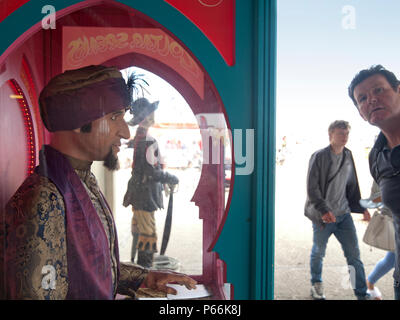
<point>105,136</point>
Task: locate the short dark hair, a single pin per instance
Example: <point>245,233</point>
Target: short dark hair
<point>366,73</point>
<point>338,124</point>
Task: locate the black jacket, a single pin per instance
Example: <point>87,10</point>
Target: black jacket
<point>317,186</point>
<point>383,164</point>
<point>144,190</point>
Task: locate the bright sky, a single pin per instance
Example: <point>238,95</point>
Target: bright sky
<point>322,44</point>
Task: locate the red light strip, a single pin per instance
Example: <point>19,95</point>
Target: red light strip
<point>27,80</point>
<point>30,136</point>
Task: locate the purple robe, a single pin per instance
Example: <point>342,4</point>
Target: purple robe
<point>88,252</point>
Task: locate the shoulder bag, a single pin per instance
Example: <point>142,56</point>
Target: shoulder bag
<point>380,232</point>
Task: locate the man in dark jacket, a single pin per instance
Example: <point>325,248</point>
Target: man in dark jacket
<point>146,184</point>
<point>332,194</point>
<point>376,94</point>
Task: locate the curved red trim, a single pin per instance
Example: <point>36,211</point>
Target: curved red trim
<point>29,131</point>
<point>27,77</point>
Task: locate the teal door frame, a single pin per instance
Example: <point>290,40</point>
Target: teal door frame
<point>247,90</point>
<point>264,196</point>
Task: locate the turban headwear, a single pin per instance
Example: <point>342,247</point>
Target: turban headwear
<point>78,97</point>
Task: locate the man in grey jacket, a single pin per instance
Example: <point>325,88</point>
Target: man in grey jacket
<point>332,194</point>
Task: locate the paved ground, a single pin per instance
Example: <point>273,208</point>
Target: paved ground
<point>292,271</point>
<point>293,240</point>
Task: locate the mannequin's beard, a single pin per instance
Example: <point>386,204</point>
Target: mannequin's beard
<point>111,161</point>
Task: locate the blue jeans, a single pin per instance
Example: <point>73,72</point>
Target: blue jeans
<point>382,267</point>
<point>345,232</point>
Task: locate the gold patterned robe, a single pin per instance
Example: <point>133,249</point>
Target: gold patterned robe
<point>42,266</point>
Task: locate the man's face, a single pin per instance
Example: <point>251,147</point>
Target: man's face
<point>377,102</point>
<point>339,137</point>
<point>104,140</point>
